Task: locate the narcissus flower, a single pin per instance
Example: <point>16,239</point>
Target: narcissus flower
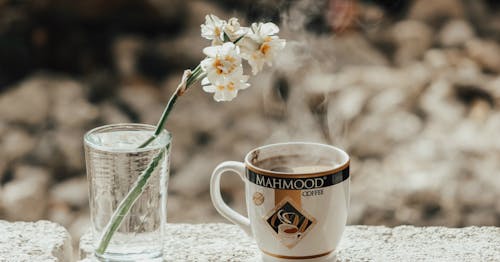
<point>233,29</point>
<point>231,42</point>
<point>225,89</point>
<point>222,61</point>
<point>261,45</point>
<point>213,29</point>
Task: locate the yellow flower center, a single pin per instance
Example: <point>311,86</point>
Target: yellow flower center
<point>265,47</point>
<point>230,86</point>
<point>230,59</point>
<point>217,31</point>
<point>219,65</point>
<point>220,87</point>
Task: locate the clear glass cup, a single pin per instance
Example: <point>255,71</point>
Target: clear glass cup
<point>114,163</point>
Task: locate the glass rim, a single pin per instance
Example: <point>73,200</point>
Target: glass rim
<point>343,165</point>
<point>132,126</point>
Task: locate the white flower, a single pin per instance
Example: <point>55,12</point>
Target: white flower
<point>213,29</point>
<point>233,29</point>
<point>261,45</point>
<point>225,89</point>
<point>222,61</point>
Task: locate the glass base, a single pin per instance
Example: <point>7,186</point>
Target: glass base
<point>124,257</point>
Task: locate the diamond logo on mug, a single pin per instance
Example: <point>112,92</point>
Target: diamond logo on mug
<point>289,223</point>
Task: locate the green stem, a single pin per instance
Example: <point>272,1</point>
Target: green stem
<point>137,189</point>
<point>127,202</point>
<point>196,75</point>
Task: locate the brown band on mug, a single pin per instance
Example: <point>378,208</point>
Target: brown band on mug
<point>297,257</point>
<point>294,195</point>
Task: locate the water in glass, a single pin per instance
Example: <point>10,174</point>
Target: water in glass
<point>113,164</point>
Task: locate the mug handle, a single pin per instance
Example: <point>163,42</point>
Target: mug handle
<point>219,204</point>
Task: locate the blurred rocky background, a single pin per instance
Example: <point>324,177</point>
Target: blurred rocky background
<point>411,89</point>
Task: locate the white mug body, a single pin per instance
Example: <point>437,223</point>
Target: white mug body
<point>295,216</point>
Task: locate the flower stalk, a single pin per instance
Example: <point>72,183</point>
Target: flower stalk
<point>128,202</point>
<point>221,73</point>
<point>188,80</point>
<point>124,207</point>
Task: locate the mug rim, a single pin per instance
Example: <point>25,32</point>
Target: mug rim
<point>253,168</point>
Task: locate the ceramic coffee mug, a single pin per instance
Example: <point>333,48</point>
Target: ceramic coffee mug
<point>297,197</point>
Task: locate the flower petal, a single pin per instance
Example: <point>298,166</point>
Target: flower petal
<point>215,19</point>
<point>209,89</point>
<point>227,48</point>
<point>205,63</point>
<point>218,96</point>
<point>269,29</point>
<point>211,51</point>
<point>205,81</point>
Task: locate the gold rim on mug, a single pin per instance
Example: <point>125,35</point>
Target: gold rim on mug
<point>252,154</point>
<point>296,257</point>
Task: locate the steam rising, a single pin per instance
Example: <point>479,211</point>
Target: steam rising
<point>299,92</point>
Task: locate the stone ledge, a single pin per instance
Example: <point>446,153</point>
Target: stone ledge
<point>224,242</point>
<point>34,241</point>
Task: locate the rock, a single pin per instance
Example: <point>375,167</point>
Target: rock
<point>201,210</point>
<point>436,59</point>
<point>346,106</point>
<point>46,152</point>
<point>3,167</point>
<point>223,242</point>
<point>193,179</point>
<point>144,100</point>
<point>436,11</point>
<point>70,147</point>
<point>16,144</point>
<point>439,104</point>
<point>250,130</point>
<point>404,126</point>
<point>73,192</point>
<point>14,103</point>
<point>70,108</point>
<point>25,197</point>
<point>39,241</point>
<point>125,52</point>
<point>301,122</point>
<point>388,100</point>
<point>197,10</point>
<point>493,87</point>
<point>456,33</point>
<point>378,78</point>
<point>185,51</point>
<point>60,213</point>
<point>3,127</point>
<point>275,94</point>
<point>392,128</point>
<point>412,39</point>
<point>481,217</point>
<point>479,110</point>
<point>362,145</point>
<point>111,114</point>
<point>79,226</point>
<point>484,52</point>
<point>350,49</point>
<point>169,13</point>
<point>39,173</point>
